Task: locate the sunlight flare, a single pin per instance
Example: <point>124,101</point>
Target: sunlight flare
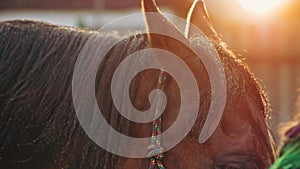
<point>260,6</point>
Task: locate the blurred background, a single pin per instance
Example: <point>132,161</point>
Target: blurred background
<point>263,33</point>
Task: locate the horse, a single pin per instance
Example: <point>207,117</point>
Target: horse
<point>39,127</point>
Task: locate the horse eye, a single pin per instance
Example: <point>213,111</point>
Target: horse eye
<point>230,166</point>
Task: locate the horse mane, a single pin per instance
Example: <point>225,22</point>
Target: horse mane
<point>38,123</point>
<point>42,57</point>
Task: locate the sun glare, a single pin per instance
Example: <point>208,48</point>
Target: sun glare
<point>260,6</point>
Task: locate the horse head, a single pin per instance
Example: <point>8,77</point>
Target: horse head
<point>39,127</point>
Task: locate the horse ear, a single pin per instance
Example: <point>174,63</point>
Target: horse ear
<point>157,23</point>
<point>198,16</point>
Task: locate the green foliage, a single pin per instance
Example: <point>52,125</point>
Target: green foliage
<point>289,157</point>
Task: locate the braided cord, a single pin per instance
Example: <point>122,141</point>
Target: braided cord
<point>156,162</point>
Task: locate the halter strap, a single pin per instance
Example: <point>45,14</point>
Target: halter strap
<point>156,162</point>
